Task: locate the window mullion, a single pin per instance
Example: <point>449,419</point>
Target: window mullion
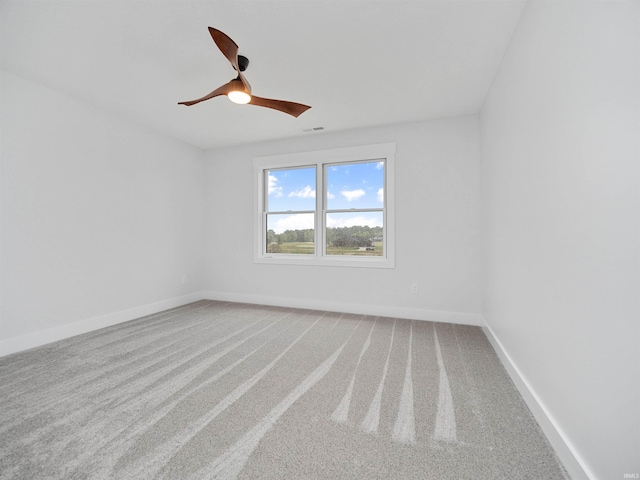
<point>320,202</point>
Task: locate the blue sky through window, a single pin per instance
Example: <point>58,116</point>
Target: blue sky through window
<point>355,185</point>
<point>349,186</point>
<point>292,189</point>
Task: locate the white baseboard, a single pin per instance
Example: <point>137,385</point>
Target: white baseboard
<point>573,463</point>
<point>42,337</point>
<point>356,308</point>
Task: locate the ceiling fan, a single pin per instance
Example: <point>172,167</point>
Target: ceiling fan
<point>238,90</point>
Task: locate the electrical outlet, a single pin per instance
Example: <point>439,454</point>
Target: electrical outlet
<point>414,288</point>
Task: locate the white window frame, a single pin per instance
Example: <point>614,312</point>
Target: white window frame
<point>320,159</point>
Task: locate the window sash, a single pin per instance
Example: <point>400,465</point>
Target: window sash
<point>327,211</point>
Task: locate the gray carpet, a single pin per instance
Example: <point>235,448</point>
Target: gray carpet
<point>224,390</point>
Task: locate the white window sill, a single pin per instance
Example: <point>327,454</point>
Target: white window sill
<point>327,261</point>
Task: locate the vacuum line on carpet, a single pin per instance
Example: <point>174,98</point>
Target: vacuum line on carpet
<point>341,413</point>
<point>404,430</point>
<point>445,428</point>
<point>372,420</point>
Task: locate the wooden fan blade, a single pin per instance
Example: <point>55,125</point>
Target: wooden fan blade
<point>292,108</point>
<point>223,90</point>
<point>229,49</point>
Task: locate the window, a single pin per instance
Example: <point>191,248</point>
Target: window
<point>329,207</point>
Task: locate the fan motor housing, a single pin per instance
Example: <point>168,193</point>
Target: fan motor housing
<point>243,63</point>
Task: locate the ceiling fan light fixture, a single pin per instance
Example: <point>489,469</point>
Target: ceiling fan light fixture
<point>239,93</point>
<point>238,96</point>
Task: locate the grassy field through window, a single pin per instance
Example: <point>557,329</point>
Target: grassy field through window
<point>302,248</point>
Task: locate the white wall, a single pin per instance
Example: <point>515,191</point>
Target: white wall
<point>560,218</point>
<point>437,231</point>
<point>100,217</point>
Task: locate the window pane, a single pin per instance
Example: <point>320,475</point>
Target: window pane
<point>357,233</point>
<point>355,185</point>
<point>291,189</point>
<point>290,233</point>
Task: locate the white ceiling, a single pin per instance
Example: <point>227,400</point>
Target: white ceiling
<point>357,63</point>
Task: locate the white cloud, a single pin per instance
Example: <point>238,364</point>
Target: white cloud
<point>379,165</point>
<point>293,222</point>
<point>380,195</point>
<point>352,195</point>
<point>338,222</point>
<point>330,196</point>
<point>306,192</point>
<point>273,187</point>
